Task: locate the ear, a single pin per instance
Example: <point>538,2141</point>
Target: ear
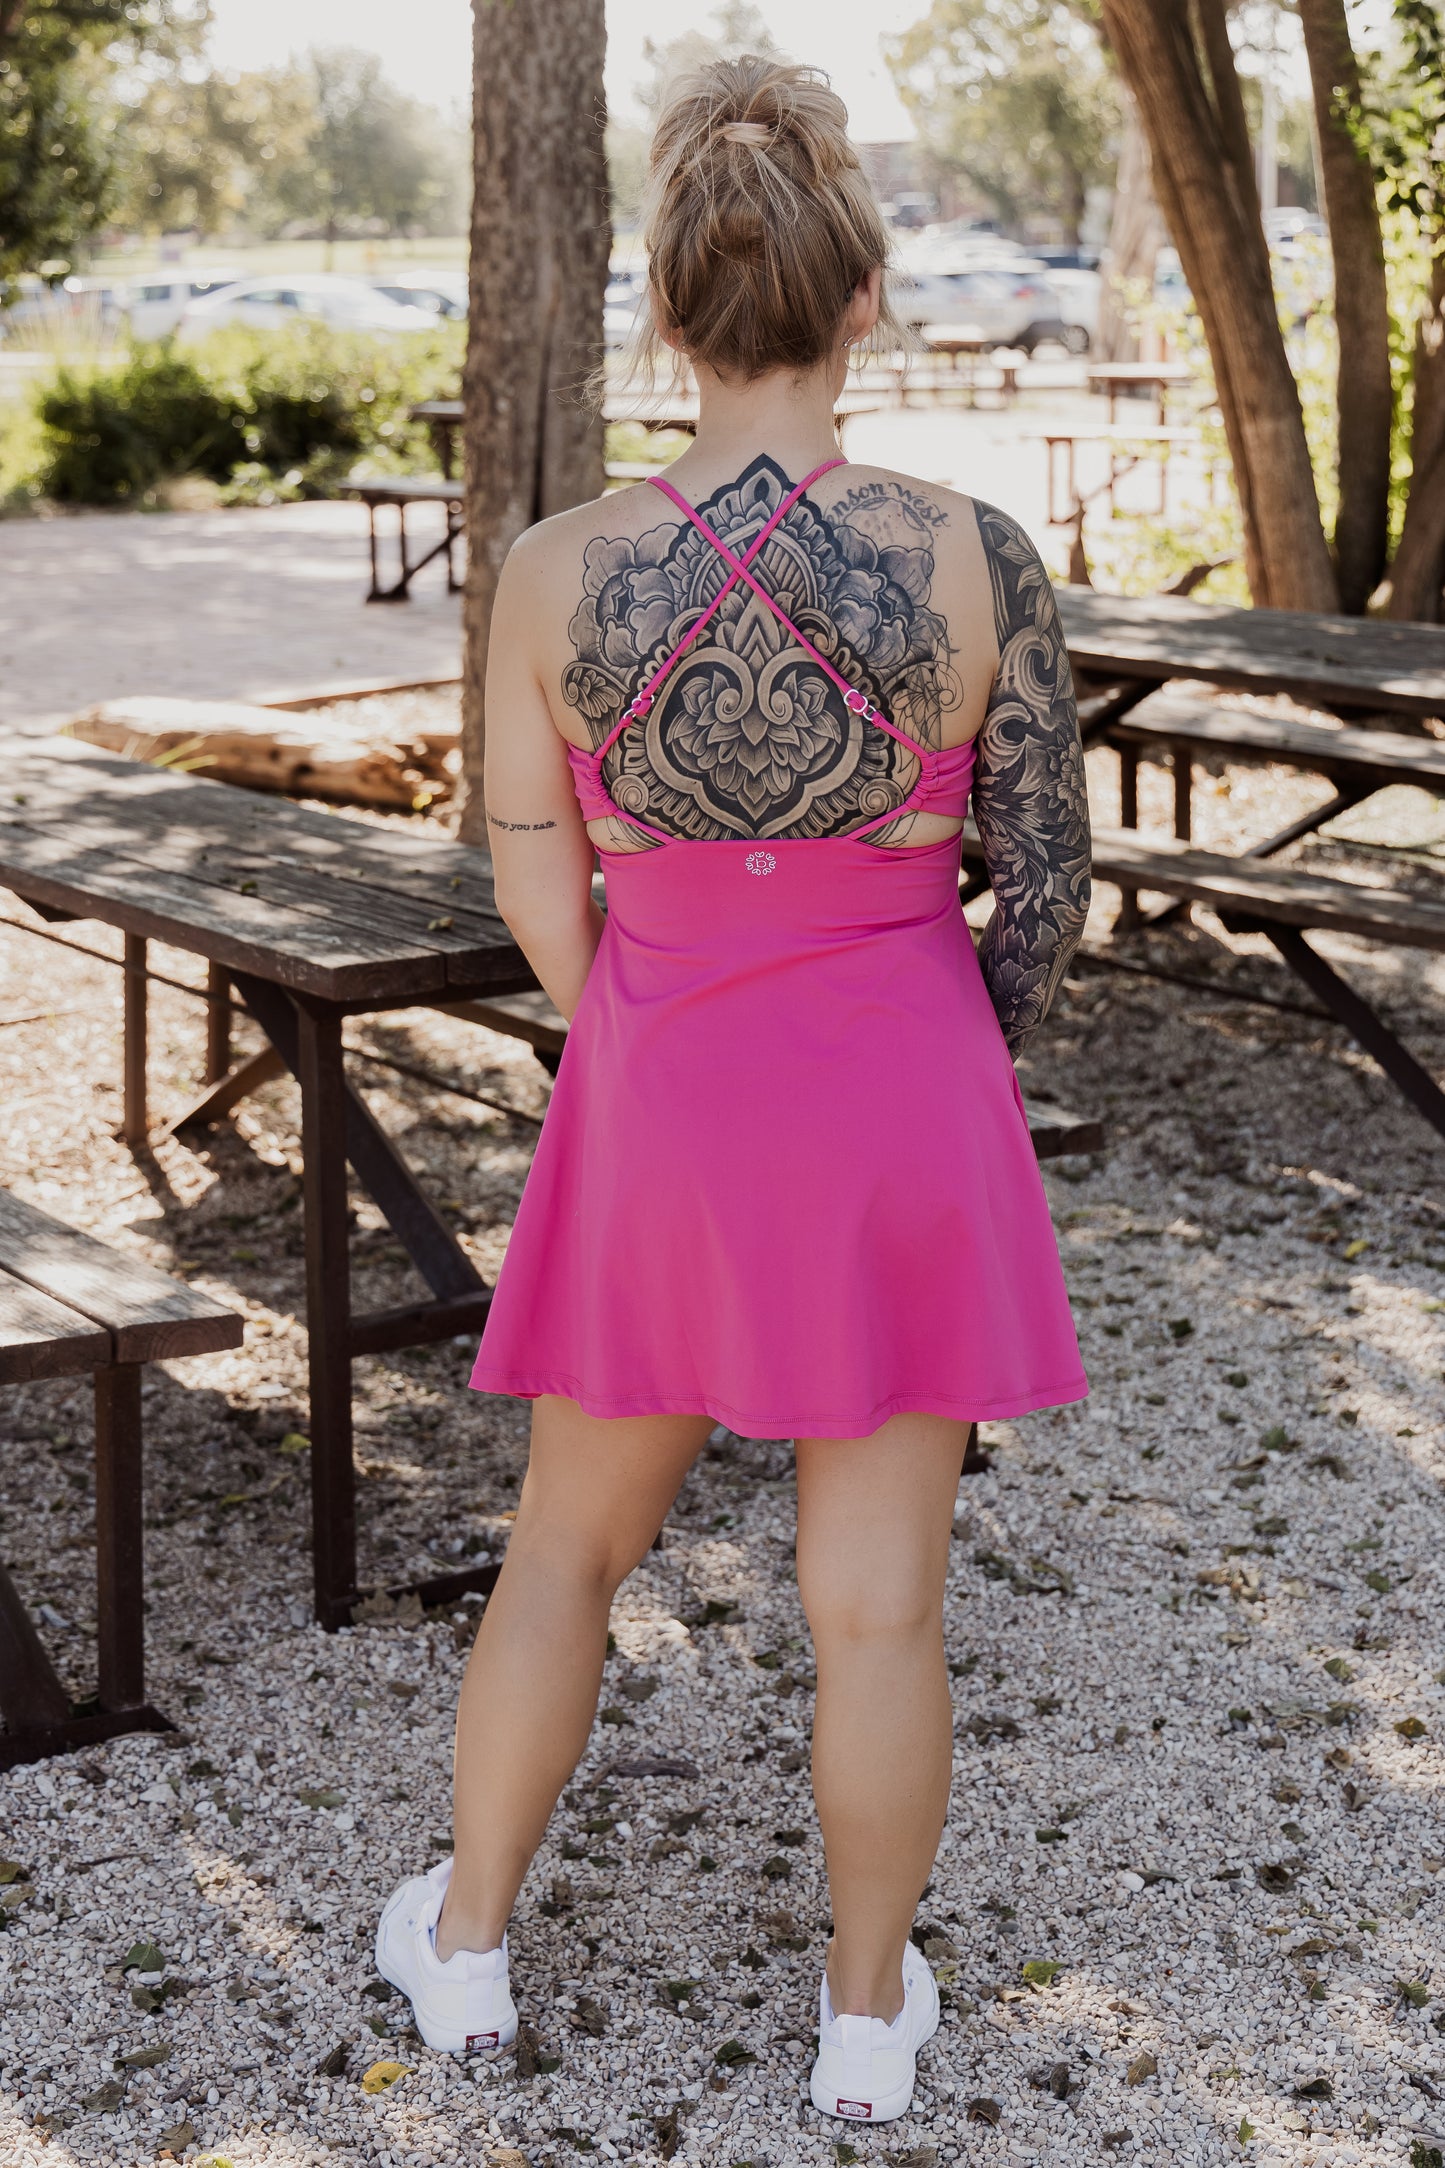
<point>666,331</point>
<point>861,313</point>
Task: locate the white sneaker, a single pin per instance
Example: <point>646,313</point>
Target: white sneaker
<point>865,2068</point>
<point>462,2007</point>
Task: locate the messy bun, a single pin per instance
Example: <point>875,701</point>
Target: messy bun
<point>758,220</point>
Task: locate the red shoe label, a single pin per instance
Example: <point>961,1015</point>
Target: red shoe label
<point>482,2040</point>
<point>861,2108</point>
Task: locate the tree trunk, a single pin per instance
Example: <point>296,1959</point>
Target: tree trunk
<point>541,239</point>
<point>1177,61</point>
<point>1418,573</point>
<point>1362,311</point>
<point>1136,234</point>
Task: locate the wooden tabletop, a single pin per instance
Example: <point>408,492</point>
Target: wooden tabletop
<point>1140,372</point>
<point>1363,664</point>
<point>337,908</point>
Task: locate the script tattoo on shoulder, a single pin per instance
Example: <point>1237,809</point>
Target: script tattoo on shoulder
<point>1030,798</point>
<point>748,737</point>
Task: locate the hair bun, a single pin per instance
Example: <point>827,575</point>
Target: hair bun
<point>747,131</point>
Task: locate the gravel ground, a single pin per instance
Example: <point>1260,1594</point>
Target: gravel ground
<point>1189,1906</point>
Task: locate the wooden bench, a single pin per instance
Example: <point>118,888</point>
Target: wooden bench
<point>1358,761</point>
<point>532,1017</point>
<point>401,491</point>
<point>69,1306</point>
<point>1283,902</point>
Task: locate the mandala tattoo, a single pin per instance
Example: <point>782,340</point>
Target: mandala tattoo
<point>748,737</point>
<point>1029,795</point>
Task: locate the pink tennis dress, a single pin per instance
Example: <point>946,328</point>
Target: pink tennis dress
<point>786,1179</point>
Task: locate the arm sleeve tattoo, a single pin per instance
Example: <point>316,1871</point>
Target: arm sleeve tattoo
<point>1029,796</point>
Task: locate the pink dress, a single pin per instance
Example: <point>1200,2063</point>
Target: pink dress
<point>786,1179</point>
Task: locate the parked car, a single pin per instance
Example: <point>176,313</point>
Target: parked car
<point>623,298</point>
<point>86,307</point>
<point>155,305</point>
<point>440,293</point>
<point>1011,304</point>
<point>270,303</point>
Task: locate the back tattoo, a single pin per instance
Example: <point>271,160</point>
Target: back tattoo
<point>748,737</point>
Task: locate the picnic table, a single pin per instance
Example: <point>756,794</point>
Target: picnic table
<point>1349,665</point>
<point>959,343</point>
<point>311,918</point>
<point>1160,377</point>
<point>1345,665</point>
<point>1127,448</point>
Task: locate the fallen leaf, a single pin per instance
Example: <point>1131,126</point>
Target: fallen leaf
<point>983,2110</point>
<point>1041,1971</point>
<point>381,2076</point>
<point>653,1765</point>
<point>105,2097</point>
<point>1415,1992</point>
<point>1315,2089</point>
<point>641,1688</point>
<point>146,2058</point>
<point>143,1957</point>
<point>1114,2139</point>
<point>1245,2131</point>
<point>11,1871</point>
<point>309,1796</point>
<point>177,2138</point>
<point>919,2156</point>
<point>591,2016</point>
<point>509,2156</point>
<point>1412,1728</point>
<point>333,2063</point>
<point>732,2053</point>
<point>1144,2066</point>
<point>1274,1875</point>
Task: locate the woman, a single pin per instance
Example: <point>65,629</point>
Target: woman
<point>785,1183</point>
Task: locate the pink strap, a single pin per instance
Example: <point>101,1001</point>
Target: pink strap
<point>643,700</point>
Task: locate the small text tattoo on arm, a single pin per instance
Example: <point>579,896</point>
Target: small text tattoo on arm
<point>516,827</point>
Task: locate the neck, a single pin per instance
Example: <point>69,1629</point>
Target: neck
<point>790,417</point>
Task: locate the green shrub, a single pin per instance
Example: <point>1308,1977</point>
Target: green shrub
<point>108,437</point>
<point>271,414</point>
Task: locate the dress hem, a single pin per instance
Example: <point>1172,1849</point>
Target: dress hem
<point>751,1425</point>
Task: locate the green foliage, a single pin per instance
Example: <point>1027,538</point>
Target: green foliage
<point>261,414</point>
<point>58,150</point>
<point>1017,97</point>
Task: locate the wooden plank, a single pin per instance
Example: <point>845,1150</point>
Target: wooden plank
<point>406,489</point>
<point>1253,887</point>
<point>213,832</point>
<point>1366,664</point>
<point>148,1314</point>
<point>41,1338</point>
<point>1379,757</point>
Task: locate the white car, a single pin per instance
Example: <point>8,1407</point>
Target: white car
<point>440,293</point>
<point>268,304</point>
<point>1006,304</point>
<point>155,305</point>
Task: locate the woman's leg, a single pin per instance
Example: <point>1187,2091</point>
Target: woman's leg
<point>595,1496</point>
<point>874,1520</point>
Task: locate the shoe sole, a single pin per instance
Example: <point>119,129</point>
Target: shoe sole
<point>443,2039</point>
<point>892,2105</point>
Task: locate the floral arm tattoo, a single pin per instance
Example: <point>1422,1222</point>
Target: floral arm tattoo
<point>1029,796</point>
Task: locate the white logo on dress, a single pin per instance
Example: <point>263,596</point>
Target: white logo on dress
<point>761,862</point>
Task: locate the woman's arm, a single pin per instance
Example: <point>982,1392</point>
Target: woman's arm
<point>1030,800</point>
<point>542,856</point>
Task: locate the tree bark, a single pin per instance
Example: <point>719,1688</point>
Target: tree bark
<point>1365,395</point>
<point>541,239</point>
<point>1136,233</point>
<point>1177,61</point>
<point>1418,573</point>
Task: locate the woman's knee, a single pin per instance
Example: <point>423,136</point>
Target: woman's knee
<point>589,1552</point>
<point>877,1612</point>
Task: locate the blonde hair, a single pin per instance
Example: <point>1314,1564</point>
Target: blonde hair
<point>758,220</point>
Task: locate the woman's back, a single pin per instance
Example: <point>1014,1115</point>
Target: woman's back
<point>907,594</point>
